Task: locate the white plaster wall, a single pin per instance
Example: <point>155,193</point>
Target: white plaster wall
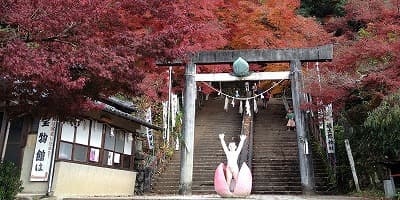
<point>29,186</point>
<point>72,179</point>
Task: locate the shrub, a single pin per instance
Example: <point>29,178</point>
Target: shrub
<point>10,183</point>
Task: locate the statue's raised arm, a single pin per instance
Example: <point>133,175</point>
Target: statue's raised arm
<point>221,138</point>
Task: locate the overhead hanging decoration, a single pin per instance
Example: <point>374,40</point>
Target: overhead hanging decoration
<point>240,107</point>
<point>255,106</point>
<point>241,69</point>
<point>248,112</point>
<point>220,88</point>
<point>226,104</point>
<point>243,98</point>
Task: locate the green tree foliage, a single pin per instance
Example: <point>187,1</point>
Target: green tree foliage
<point>371,123</point>
<point>322,8</point>
<point>383,128</point>
<point>10,184</point>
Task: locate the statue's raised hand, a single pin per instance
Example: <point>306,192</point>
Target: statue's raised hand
<point>221,136</point>
<point>242,137</point>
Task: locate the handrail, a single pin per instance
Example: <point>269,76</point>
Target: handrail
<point>284,100</point>
<point>251,139</point>
<point>246,154</point>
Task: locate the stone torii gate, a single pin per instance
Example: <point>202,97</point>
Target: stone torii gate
<point>294,56</point>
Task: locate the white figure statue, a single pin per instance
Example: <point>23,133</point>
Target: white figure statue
<point>232,155</point>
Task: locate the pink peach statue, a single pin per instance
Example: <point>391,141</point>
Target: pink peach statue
<point>228,180</point>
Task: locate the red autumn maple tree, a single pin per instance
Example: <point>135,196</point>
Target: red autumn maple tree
<point>269,24</point>
<point>57,56</point>
<point>366,54</point>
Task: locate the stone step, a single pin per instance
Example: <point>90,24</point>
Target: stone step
<point>175,191</point>
<point>261,153</point>
<point>292,165</point>
<point>267,151</point>
<point>277,183</point>
<point>265,175</point>
<point>176,183</point>
<point>274,147</point>
<point>291,179</point>
<point>289,141</point>
<point>277,161</point>
<point>277,188</point>
<point>277,192</point>
<point>195,172</point>
<point>204,186</point>
<point>272,168</point>
<point>176,178</point>
<point>274,156</point>
<point>204,177</point>
<point>195,185</point>
<point>274,171</point>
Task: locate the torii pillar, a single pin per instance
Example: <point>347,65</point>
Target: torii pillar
<point>185,183</point>
<point>293,56</point>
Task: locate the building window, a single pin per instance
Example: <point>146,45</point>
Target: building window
<point>65,151</point>
<point>94,143</point>
<point>80,153</point>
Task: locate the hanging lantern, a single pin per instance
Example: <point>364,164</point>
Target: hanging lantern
<point>240,67</point>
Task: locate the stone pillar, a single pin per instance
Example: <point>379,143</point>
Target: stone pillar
<point>185,183</point>
<point>305,159</point>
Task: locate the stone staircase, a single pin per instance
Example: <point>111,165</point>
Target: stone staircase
<point>275,159</point>
<point>322,184</point>
<point>211,120</point>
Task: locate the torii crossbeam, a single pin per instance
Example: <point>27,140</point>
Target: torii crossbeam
<point>294,56</point>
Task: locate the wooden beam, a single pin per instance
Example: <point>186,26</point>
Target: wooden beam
<point>319,53</point>
<point>224,77</point>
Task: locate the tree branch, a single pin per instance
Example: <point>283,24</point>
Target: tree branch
<point>63,34</point>
<point>66,42</point>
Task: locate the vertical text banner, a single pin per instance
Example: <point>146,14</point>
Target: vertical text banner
<point>149,131</point>
<point>165,119</point>
<point>174,109</point>
<point>329,133</point>
<point>43,150</point>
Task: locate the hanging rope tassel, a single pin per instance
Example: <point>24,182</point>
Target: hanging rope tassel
<point>220,89</point>
<point>233,103</point>
<point>226,104</point>
<point>255,106</point>
<point>248,112</point>
<point>240,107</point>
<point>306,152</point>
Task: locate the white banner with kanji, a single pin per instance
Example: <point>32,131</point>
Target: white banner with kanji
<point>149,131</point>
<point>174,108</point>
<point>43,150</point>
<point>165,119</point>
<point>329,133</point>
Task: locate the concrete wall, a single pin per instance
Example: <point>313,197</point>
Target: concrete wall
<point>30,187</point>
<point>71,179</point>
